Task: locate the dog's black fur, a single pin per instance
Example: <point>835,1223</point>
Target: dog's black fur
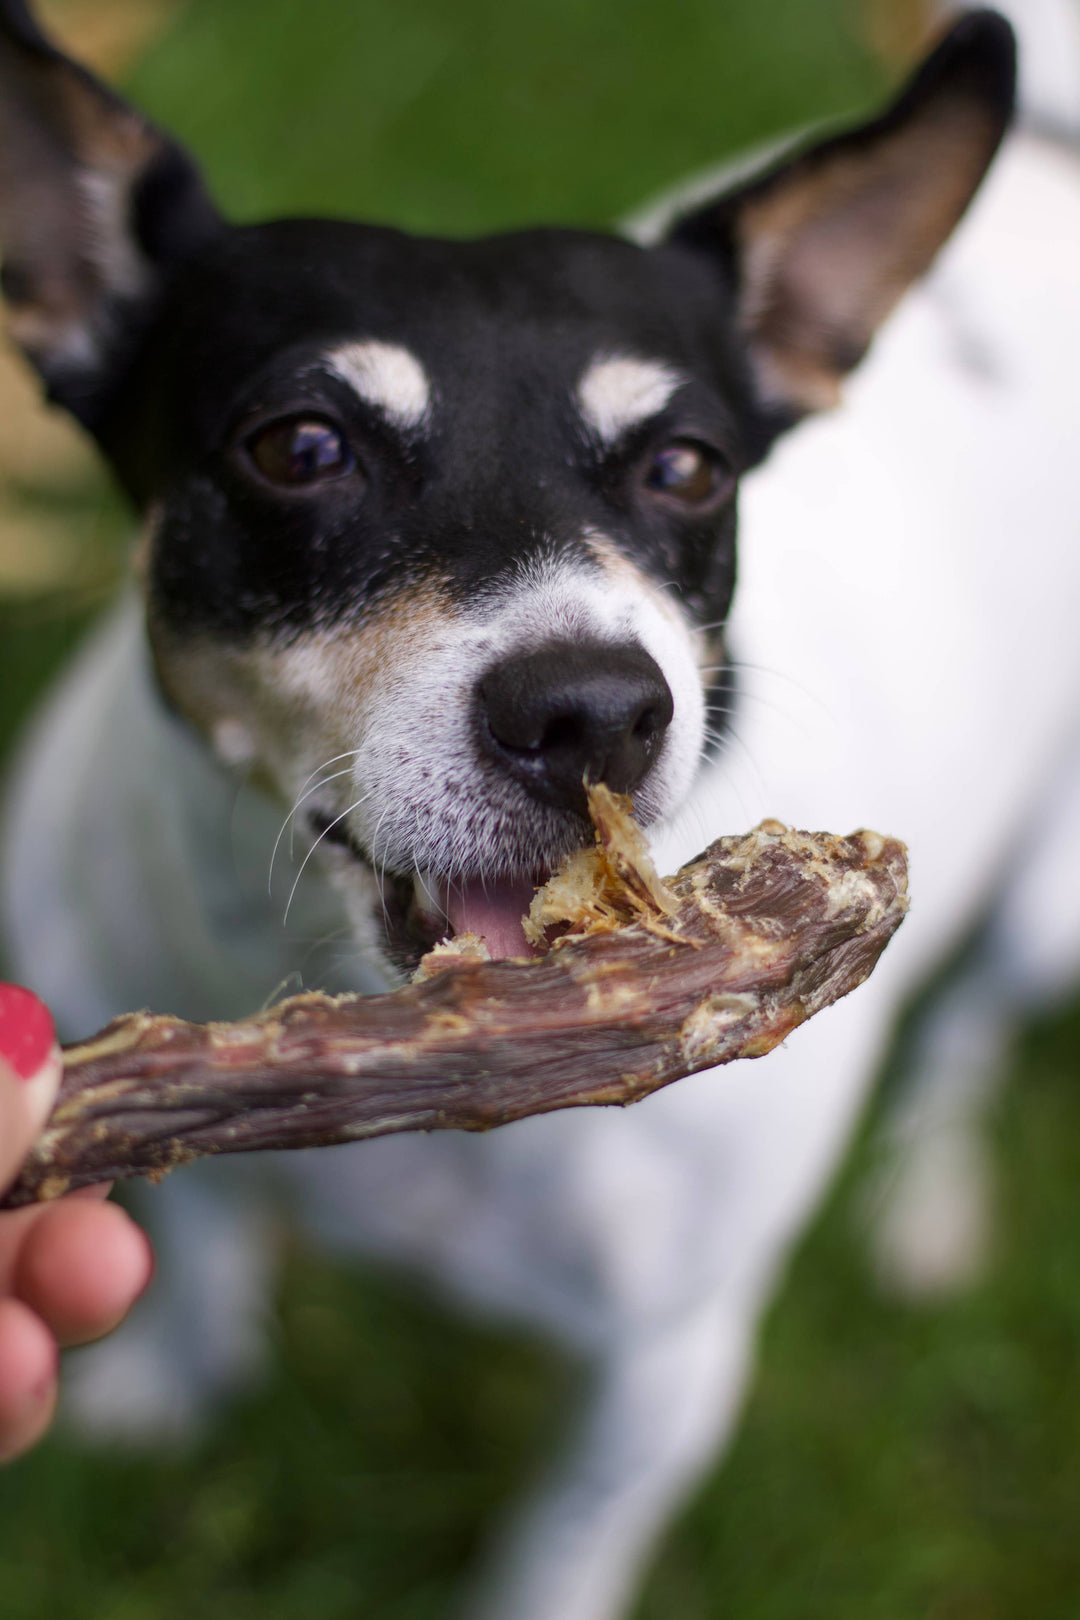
<point>504,327</point>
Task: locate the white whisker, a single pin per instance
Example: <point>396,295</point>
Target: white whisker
<point>778,675</point>
<point>328,828</point>
<point>302,799</point>
<point>380,876</point>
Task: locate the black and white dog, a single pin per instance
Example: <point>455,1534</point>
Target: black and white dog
<point>430,530</point>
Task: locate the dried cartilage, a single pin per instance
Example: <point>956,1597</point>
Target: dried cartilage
<point>450,953</point>
<point>607,886</point>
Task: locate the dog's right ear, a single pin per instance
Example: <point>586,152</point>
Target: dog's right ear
<point>96,207</point>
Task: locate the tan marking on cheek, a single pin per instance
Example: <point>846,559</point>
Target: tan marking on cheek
<point>616,565</point>
<point>309,700</point>
<point>712,654</point>
<point>144,545</point>
<point>620,570</point>
<point>706,648</point>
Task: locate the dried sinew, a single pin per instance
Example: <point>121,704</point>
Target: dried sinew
<point>637,981</point>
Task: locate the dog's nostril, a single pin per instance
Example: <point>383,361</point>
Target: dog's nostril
<point>564,732</point>
<point>574,710</point>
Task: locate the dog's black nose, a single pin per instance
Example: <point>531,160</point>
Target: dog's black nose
<point>572,710</point>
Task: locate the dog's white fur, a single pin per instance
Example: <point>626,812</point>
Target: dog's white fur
<point>906,628</point>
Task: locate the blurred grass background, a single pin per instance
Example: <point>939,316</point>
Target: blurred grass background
<point>893,1464</point>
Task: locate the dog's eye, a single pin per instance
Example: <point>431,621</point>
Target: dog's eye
<point>300,450</point>
<point>687,472</point>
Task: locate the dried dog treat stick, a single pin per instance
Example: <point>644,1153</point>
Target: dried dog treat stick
<point>642,982</point>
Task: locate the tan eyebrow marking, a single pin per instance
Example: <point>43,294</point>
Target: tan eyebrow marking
<point>619,392</point>
<point>386,376</point>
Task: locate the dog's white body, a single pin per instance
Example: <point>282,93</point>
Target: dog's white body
<point>906,622</point>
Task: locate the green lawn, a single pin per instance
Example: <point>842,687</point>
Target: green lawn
<point>893,1465</point>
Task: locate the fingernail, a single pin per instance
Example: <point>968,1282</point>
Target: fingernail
<point>27,1035</point>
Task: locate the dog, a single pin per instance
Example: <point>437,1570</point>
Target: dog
<point>433,530</point>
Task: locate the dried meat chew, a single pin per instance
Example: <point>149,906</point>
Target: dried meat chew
<point>640,983</point>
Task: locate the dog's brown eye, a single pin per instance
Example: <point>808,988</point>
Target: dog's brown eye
<point>686,472</point>
<point>301,450</point>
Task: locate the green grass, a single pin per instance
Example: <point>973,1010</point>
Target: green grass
<point>489,113</point>
<point>915,1465</point>
<point>893,1465</point>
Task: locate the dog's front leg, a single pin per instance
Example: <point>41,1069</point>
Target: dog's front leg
<point>659,1404</point>
<point>931,1199</point>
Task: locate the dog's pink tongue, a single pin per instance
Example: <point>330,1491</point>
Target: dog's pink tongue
<point>494,912</point>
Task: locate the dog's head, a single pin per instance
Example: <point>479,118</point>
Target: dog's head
<point>435,530</point>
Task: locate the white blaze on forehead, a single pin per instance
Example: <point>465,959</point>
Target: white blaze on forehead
<point>619,392</point>
<point>386,376</point>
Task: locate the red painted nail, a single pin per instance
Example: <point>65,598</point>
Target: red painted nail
<point>27,1035</point>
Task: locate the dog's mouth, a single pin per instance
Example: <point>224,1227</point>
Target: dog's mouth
<point>438,908</point>
<point>419,910</point>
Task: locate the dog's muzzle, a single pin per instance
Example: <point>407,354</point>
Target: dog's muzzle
<point>548,720</point>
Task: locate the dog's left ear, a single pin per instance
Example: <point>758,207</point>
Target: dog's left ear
<point>96,206</point>
<point>822,246</point>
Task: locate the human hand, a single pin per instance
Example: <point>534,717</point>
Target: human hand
<point>70,1270</point>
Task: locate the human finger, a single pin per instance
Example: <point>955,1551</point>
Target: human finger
<point>81,1266</point>
<point>28,1367</point>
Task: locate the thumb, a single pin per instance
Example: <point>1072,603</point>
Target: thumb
<point>30,1071</point>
